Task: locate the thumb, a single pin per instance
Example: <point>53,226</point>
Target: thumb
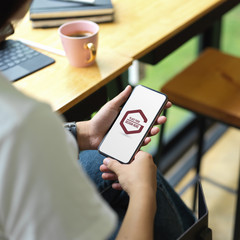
<point>122,97</point>
<point>112,164</point>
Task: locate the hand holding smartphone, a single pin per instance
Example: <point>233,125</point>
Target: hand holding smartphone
<point>133,124</point>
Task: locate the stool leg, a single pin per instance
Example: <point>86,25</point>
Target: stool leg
<point>237,216</point>
<point>202,123</point>
<point>157,155</point>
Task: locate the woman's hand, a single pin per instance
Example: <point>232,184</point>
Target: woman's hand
<point>138,179</point>
<point>139,175</point>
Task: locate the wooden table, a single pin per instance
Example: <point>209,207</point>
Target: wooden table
<point>60,84</point>
<point>159,26</point>
<point>153,28</point>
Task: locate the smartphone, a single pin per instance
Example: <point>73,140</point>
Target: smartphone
<point>132,125</point>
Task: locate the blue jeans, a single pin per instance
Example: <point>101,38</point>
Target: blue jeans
<point>172,216</point>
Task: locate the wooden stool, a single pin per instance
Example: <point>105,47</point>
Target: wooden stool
<point>209,87</point>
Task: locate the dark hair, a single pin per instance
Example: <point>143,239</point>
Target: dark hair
<point>8,9</point>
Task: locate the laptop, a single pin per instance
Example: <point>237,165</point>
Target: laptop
<point>199,230</point>
<point>17,60</point>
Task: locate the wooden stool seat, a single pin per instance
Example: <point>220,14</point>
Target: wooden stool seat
<point>210,86</point>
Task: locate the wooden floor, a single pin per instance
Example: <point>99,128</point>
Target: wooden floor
<point>220,169</point>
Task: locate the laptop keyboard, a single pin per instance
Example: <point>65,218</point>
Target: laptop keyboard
<point>18,60</point>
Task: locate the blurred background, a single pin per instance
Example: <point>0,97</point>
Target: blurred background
<point>221,162</point>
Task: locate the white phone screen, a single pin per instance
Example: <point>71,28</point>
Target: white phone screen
<point>132,124</point>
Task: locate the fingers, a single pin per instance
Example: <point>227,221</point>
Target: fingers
<point>168,105</point>
<point>122,97</point>
<point>154,131</point>
<point>104,168</point>
<point>108,168</point>
<point>117,186</point>
<point>161,120</point>
<point>112,165</point>
<point>147,140</point>
<point>109,176</point>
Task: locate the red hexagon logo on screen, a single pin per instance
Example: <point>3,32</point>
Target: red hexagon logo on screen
<point>133,121</point>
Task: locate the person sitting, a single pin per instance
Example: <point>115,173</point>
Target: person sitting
<point>46,194</point>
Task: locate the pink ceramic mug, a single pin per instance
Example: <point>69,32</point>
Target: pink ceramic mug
<point>80,40</point>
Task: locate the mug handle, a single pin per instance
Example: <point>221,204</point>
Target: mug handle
<point>92,50</point>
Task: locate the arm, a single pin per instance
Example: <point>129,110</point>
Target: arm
<point>138,221</point>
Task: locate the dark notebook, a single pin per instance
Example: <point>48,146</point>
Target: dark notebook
<point>48,13</point>
<point>18,60</point>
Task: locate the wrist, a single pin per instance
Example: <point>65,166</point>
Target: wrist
<point>82,130</point>
<point>146,200</point>
<point>144,191</point>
